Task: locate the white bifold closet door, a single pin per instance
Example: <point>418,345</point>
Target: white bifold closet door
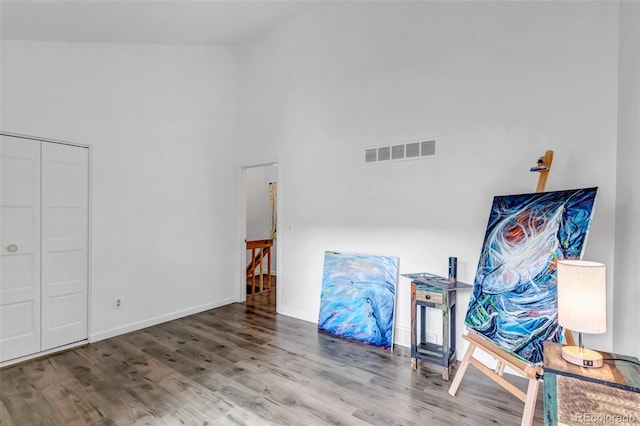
<point>44,252</point>
<point>20,248</point>
<point>65,191</point>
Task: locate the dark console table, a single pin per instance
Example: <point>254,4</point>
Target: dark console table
<point>433,291</point>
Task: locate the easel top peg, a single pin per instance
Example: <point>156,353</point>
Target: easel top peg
<point>543,166</point>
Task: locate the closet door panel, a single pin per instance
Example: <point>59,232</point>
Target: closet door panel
<point>65,195</point>
<point>19,247</point>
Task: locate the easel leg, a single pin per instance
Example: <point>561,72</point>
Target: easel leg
<point>530,402</point>
<point>461,370</point>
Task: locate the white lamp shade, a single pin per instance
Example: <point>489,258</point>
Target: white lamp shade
<point>582,296</point>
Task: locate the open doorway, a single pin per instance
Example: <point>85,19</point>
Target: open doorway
<point>261,230</point>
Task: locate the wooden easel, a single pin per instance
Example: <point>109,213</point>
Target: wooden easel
<point>531,372</point>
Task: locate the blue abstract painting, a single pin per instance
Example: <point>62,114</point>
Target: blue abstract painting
<point>514,298</point>
<point>359,297</point>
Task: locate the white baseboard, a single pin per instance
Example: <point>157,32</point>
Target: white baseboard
<point>43,353</point>
<point>402,336</point>
<point>296,314</point>
<point>116,331</point>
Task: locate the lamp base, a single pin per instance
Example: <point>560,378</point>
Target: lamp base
<point>582,357</point>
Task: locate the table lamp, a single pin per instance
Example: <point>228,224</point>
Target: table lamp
<point>582,306</point>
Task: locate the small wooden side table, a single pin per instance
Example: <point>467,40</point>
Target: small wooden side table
<point>574,395</point>
<point>433,291</point>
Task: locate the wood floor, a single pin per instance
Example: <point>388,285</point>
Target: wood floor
<point>241,364</point>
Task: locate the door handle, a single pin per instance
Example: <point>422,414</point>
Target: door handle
<point>12,248</point>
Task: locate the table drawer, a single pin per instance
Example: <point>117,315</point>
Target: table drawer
<point>429,296</point>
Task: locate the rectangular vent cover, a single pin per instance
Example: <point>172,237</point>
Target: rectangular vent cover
<point>384,153</point>
<point>413,150</point>
<point>371,155</point>
<point>427,148</point>
<point>397,152</point>
<point>408,151</point>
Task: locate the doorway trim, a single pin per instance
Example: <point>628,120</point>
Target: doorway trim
<point>242,250</point>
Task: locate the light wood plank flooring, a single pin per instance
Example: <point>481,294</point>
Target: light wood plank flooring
<point>242,364</point>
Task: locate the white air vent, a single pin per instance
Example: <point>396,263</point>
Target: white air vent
<point>384,153</point>
<point>397,152</point>
<point>408,151</point>
<point>371,155</point>
<point>413,150</point>
<point>427,148</point>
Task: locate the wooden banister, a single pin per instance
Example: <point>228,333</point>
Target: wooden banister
<point>259,250</point>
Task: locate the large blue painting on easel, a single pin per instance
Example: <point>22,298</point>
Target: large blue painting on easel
<point>358,297</point>
<point>514,298</point>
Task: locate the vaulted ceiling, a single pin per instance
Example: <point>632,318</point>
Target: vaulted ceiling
<point>210,22</point>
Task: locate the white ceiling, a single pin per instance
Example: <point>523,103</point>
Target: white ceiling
<point>143,21</point>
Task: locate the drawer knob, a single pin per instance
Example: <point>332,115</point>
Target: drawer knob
<point>12,248</point>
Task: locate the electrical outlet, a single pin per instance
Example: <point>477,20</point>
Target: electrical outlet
<point>118,303</point>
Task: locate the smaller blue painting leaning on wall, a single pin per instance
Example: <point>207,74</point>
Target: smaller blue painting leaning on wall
<point>514,299</point>
<point>359,297</point>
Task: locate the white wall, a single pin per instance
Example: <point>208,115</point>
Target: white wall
<point>161,121</point>
<point>258,226</point>
<point>497,84</point>
<point>626,291</point>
